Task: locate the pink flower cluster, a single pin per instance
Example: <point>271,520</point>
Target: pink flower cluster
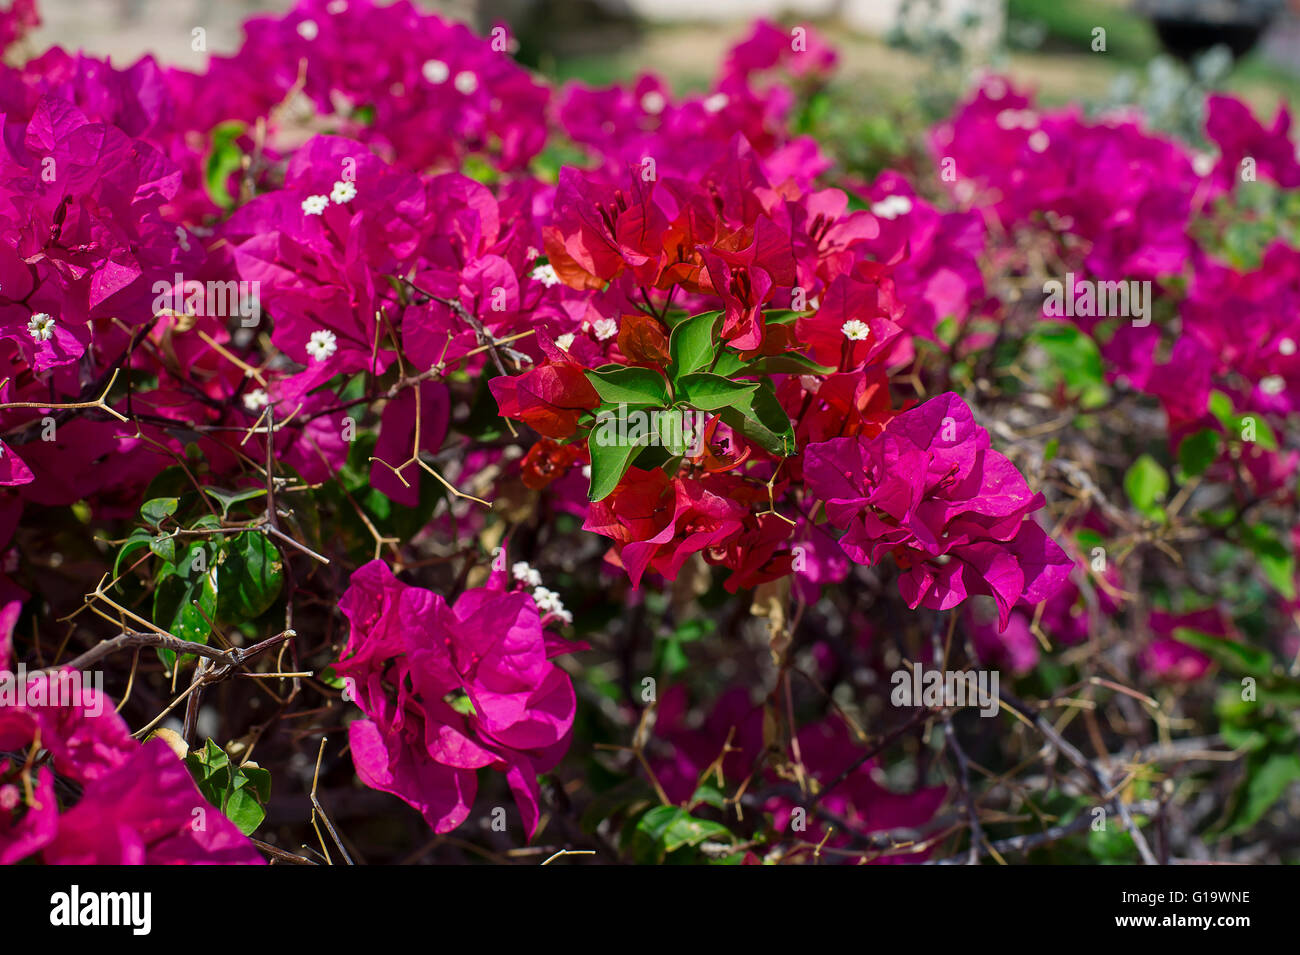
<point>137,804</point>
<point>451,689</point>
<point>423,92</point>
<point>952,511</point>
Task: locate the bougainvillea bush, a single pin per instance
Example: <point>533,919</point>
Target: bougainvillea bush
<point>409,459</point>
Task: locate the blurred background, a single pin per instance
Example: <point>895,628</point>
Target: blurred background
<point>903,63</point>
<point>893,43</point>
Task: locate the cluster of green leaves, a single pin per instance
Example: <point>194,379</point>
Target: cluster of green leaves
<point>1240,227</point>
<point>1254,718</point>
<point>241,792</point>
<point>1268,740</point>
<point>207,570</point>
<point>702,375</point>
<point>1073,362</point>
<point>1147,484</point>
<point>654,834</point>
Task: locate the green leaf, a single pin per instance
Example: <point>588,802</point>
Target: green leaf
<point>692,344</point>
<point>139,540</point>
<point>790,363</point>
<point>1275,560</point>
<point>238,791</point>
<point>764,421</point>
<point>228,499</point>
<point>710,796</point>
<point>243,809</point>
<point>665,829</point>
<point>619,384</point>
<point>183,604</point>
<point>1112,845</point>
<point>730,364</point>
<point>1253,429</point>
<point>1074,356</point>
<point>694,629</point>
<point>249,577</point>
<point>670,658</point>
<point>609,462</point>
<point>1198,451</point>
<point>1221,408</point>
<point>1232,655</point>
<point>224,157</point>
<point>164,545</point>
<point>159,509</point>
<point>1268,775</point>
<point>1146,484</point>
<point>710,392</point>
<point>260,778</point>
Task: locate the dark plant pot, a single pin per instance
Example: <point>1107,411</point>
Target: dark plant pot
<point>1188,39</point>
<point>1188,28</point>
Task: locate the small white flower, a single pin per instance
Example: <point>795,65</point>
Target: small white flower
<point>586,471</point>
<point>336,6</point>
<point>545,274</point>
<point>891,207</point>
<point>565,341</point>
<point>315,205</point>
<point>183,238</point>
<point>1273,385</point>
<point>1038,141</point>
<point>465,82</point>
<point>1202,164</point>
<point>526,573</point>
<point>855,330</point>
<point>716,103</point>
<point>604,328</point>
<point>653,102</point>
<point>435,71</point>
<point>256,400</point>
<point>322,344</point>
<point>995,87</point>
<point>308,30</point>
<point>548,601</point>
<point>41,326</point>
<point>343,192</point>
<point>1286,346</point>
